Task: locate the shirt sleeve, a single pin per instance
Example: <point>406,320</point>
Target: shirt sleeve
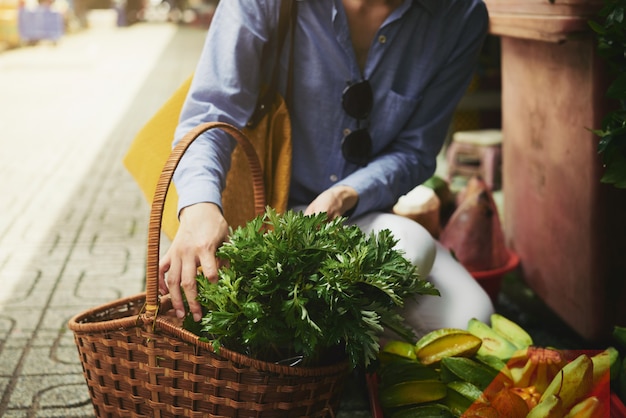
<point>412,157</point>
<point>225,88</point>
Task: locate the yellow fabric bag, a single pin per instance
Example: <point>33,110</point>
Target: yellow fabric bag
<point>271,138</point>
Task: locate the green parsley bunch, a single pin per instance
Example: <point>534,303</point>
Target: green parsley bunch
<point>297,285</point>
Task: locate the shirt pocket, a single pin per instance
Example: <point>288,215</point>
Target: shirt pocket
<point>390,116</point>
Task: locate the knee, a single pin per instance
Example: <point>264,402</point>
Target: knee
<point>413,240</point>
<point>462,297</point>
<point>417,244</point>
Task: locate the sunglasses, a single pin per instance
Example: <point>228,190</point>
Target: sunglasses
<point>357,100</point>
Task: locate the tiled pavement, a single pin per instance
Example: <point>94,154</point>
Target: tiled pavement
<point>72,222</point>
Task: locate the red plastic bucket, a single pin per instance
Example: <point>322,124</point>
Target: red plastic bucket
<point>491,280</point>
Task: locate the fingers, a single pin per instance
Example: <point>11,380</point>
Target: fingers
<point>181,278</point>
<point>209,267</point>
<point>202,230</point>
<point>324,203</point>
<point>334,201</point>
<point>173,284</point>
<point>164,266</point>
<point>189,286</point>
<point>311,209</point>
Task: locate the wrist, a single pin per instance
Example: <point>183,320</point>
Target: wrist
<point>201,209</point>
<point>348,197</point>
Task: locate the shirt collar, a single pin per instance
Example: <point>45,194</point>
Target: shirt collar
<point>431,5</point>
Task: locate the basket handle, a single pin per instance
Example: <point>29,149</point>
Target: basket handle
<point>158,202</point>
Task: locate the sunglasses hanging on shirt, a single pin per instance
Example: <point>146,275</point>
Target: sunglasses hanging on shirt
<point>357,100</point>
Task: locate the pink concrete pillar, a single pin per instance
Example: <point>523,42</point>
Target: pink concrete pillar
<point>568,229</point>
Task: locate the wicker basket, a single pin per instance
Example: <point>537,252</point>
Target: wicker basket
<point>139,362</point>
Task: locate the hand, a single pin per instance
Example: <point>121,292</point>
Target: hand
<point>334,201</point>
<point>201,232</point>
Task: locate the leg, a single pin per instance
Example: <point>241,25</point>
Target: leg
<point>461,296</point>
<point>413,239</point>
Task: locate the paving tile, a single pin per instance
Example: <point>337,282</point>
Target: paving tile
<point>50,391</point>
<point>20,322</point>
<point>54,320</point>
<point>34,288</point>
<point>6,324</point>
<point>3,384</point>
<point>15,414</point>
<point>47,361</point>
<point>64,395</point>
<point>72,234</point>
<point>9,361</point>
<point>56,339</point>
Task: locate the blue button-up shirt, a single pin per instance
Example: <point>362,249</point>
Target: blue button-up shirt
<point>419,66</point>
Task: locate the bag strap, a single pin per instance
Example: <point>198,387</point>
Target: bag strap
<point>294,15</point>
<point>286,21</point>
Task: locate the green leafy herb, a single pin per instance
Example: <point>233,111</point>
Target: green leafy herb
<point>299,285</point>
<point>611,44</point>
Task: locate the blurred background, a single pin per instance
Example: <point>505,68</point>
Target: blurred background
<point>79,78</point>
<point>29,21</point>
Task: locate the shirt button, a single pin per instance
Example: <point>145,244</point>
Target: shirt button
<point>346,132</point>
<point>382,39</point>
<point>333,178</point>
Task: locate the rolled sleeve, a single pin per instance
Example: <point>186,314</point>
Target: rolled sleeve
<point>225,88</point>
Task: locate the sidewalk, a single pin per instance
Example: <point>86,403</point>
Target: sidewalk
<point>73,223</point>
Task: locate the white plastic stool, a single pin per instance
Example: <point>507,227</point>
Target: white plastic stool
<point>476,152</point>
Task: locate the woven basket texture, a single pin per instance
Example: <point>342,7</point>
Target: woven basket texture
<point>139,361</point>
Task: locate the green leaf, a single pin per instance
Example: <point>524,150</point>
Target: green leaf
<point>619,334</point>
<point>616,16</point>
<point>611,44</point>
<point>615,172</point>
<point>596,27</point>
<point>617,89</point>
<point>304,285</point>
